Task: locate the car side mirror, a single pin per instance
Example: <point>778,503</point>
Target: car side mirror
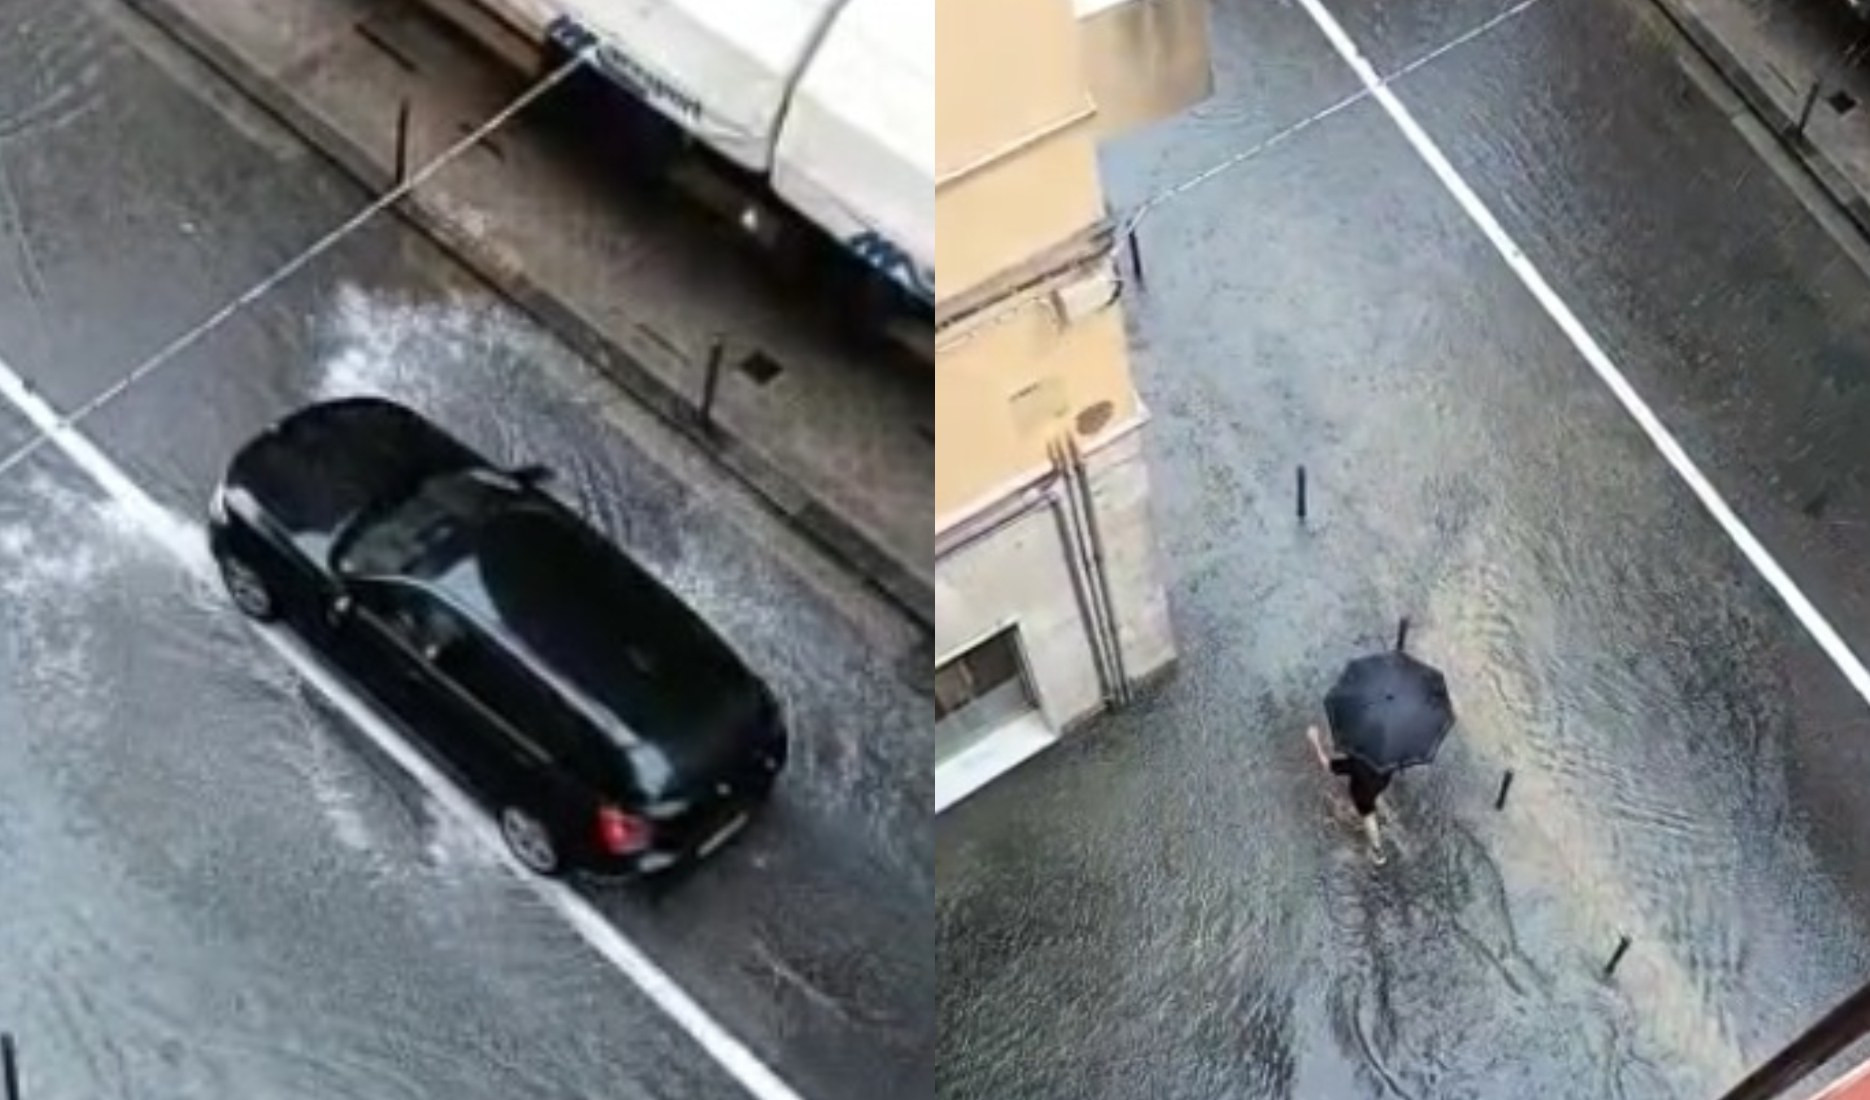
<point>532,475</point>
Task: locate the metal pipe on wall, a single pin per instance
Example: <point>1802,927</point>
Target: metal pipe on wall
<point>1071,533</point>
<point>1100,570</point>
<point>1086,613</point>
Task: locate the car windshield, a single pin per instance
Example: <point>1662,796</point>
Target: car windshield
<point>422,534</point>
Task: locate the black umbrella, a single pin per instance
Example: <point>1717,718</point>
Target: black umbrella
<point>1389,710</point>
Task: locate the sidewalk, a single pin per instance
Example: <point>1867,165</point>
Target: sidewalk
<point>838,438</point>
<point>1774,53</point>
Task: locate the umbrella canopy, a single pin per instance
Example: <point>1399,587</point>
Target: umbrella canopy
<point>1389,710</point>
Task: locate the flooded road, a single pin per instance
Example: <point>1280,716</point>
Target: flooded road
<point>218,893</point>
<point>1178,904</point>
<point>220,887</point>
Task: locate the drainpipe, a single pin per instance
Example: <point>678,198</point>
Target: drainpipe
<point>1084,573</point>
<point>1087,610</point>
<point>1100,571</point>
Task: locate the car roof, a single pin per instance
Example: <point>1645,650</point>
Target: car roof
<point>563,599</point>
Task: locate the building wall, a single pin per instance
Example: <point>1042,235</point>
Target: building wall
<point>1012,385</point>
<point>994,215</point>
<point>1144,59</point>
<point>1003,68</point>
<point>1120,492</point>
<point>1020,577</point>
<point>1015,148</point>
<point>1031,348</point>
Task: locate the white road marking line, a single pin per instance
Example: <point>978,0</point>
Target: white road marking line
<point>732,1055</point>
<point>1802,608</point>
<point>188,542</point>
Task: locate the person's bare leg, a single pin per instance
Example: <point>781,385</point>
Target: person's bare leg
<point>1376,838</point>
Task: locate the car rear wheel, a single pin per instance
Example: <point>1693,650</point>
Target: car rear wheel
<point>529,840</point>
<point>248,590</point>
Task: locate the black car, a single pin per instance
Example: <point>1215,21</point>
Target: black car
<point>600,719</point>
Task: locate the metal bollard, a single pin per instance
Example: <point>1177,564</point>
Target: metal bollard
<point>710,382</point>
<point>1623,945</point>
<point>402,145</point>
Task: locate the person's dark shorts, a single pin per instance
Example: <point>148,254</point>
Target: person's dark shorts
<point>1366,783</point>
<point>1364,796</point>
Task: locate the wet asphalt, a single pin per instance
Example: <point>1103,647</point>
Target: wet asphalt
<point>217,887</point>
<point>1176,905</point>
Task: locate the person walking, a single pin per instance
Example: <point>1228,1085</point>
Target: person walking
<point>1366,786</point>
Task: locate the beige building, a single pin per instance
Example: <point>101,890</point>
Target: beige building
<point>1048,604</point>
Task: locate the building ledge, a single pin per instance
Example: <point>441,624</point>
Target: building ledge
<point>991,757</point>
<point>966,524</point>
<point>1087,246</point>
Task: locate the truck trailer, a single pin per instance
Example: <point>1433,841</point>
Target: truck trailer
<point>809,122</point>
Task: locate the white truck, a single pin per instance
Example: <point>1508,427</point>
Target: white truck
<point>827,106</point>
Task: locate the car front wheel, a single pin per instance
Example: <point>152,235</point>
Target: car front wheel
<point>529,840</point>
<point>248,590</point>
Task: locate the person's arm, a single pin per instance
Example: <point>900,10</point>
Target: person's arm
<point>1318,746</point>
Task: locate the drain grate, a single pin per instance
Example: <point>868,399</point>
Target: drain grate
<point>759,366</point>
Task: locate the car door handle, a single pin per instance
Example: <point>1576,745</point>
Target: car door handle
<point>338,610</point>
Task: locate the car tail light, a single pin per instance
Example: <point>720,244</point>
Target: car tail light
<point>620,833</point>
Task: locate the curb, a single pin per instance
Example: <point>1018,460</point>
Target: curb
<point>1735,72</point>
<point>902,585</point>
